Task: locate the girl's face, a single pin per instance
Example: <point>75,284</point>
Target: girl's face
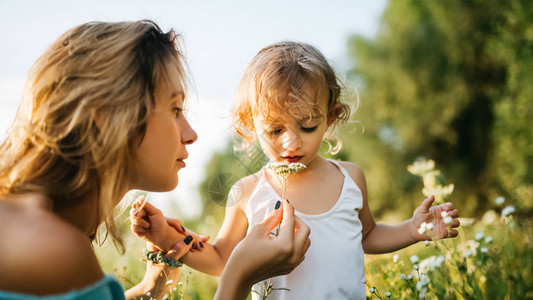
<point>162,152</point>
<point>291,139</point>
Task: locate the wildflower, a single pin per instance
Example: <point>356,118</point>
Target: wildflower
<point>422,295</point>
<point>388,294</point>
<point>395,257</point>
<point>488,239</point>
<point>420,167</point>
<point>372,290</point>
<point>426,242</point>
<point>415,267</point>
<point>430,226</point>
<point>409,277</point>
<point>448,220</point>
<point>499,200</point>
<point>165,297</point>
<point>169,282</point>
<point>508,210</point>
<point>422,229</point>
<point>479,236</point>
<point>484,250</point>
<point>422,283</point>
<point>438,262</point>
<point>444,214</point>
<point>148,294</point>
<point>414,259</point>
<point>468,253</point>
<point>402,276</point>
<point>180,283</point>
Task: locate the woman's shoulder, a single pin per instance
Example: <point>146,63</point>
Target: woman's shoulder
<point>41,253</point>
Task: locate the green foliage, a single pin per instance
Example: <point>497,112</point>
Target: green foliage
<point>490,264</point>
<point>448,80</point>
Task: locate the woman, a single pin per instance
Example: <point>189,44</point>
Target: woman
<point>102,114</point>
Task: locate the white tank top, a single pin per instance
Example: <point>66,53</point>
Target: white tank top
<point>334,264</point>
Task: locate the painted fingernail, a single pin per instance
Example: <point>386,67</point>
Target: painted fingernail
<point>182,228</point>
<point>288,201</point>
<point>278,204</point>
<point>201,244</point>
<point>188,239</point>
<point>194,246</point>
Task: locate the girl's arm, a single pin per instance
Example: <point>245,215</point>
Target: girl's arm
<point>211,258</point>
<point>380,238</point>
<point>214,256</point>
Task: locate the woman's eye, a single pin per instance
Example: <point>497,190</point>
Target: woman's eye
<point>309,129</point>
<point>177,111</point>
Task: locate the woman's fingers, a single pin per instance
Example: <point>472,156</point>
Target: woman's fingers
<point>176,224</point>
<point>302,232</point>
<point>270,222</point>
<point>286,231</point>
<point>180,248</point>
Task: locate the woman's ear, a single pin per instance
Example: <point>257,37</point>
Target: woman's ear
<point>100,119</point>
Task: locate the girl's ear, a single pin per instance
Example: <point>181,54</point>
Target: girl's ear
<point>334,113</point>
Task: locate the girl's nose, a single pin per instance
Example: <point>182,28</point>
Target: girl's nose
<point>188,135</point>
<point>291,140</point>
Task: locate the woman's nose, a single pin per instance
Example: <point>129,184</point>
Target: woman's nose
<point>291,140</point>
<point>188,135</point>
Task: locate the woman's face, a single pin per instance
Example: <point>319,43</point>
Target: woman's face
<point>162,152</point>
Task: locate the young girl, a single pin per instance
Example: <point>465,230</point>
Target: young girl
<point>289,101</point>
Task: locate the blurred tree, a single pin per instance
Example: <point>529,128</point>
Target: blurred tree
<point>451,81</point>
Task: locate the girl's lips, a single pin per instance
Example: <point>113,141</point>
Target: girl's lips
<point>292,159</point>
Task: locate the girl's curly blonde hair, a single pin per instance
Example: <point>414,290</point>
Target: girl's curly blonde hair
<point>278,80</point>
<point>97,70</point>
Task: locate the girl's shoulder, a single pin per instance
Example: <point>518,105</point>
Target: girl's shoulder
<point>243,188</point>
<point>40,253</point>
<point>355,172</point>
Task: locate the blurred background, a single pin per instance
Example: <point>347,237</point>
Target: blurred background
<point>449,81</point>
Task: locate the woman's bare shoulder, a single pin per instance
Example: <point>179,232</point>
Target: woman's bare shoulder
<point>42,254</point>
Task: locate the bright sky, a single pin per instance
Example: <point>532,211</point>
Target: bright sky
<point>221,37</point>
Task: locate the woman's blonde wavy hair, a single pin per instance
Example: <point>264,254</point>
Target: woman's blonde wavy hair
<point>83,113</point>
<point>278,81</point>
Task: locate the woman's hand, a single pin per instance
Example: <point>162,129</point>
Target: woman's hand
<point>442,227</point>
<point>260,256</point>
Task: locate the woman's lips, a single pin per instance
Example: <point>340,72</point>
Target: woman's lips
<point>181,163</point>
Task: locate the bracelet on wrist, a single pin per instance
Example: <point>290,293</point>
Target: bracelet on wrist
<point>159,257</point>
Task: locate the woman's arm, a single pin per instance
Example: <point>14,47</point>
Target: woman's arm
<point>159,279</point>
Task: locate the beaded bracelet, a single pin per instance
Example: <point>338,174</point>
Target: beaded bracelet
<point>158,257</point>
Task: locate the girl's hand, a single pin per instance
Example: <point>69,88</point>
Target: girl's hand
<point>260,256</point>
<point>151,225</point>
<point>442,227</point>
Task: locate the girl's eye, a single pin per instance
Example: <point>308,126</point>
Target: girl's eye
<point>275,132</point>
<point>309,129</point>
